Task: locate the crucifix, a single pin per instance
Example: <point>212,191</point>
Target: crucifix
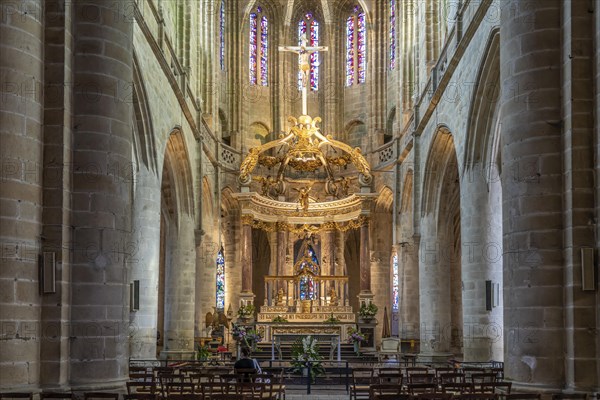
<point>304,51</point>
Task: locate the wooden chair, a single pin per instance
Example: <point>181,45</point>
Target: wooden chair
<point>140,396</point>
<point>421,378</point>
<point>254,390</point>
<point>478,379</point>
<point>141,388</point>
<point>433,396</point>
<point>492,387</point>
<point>477,396</point>
<point>56,395</point>
<point>172,388</point>
<point>444,370</point>
<point>457,387</point>
<point>417,388</point>
<point>384,391</point>
<point>100,395</point>
<point>16,395</point>
<point>228,397</point>
<point>469,371</point>
<point>210,389</point>
<point>416,370</point>
<point>569,396</point>
<point>362,378</point>
<point>390,379</point>
<point>523,396</point>
<point>452,377</point>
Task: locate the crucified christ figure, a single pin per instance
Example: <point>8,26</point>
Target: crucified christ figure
<point>304,51</point>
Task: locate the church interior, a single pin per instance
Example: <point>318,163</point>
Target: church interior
<point>405,181</point>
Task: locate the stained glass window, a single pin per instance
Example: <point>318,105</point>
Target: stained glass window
<point>395,283</point>
<point>356,47</point>
<point>259,48</point>
<point>220,279</point>
<point>392,34</point>
<point>350,51</point>
<point>308,287</point>
<point>313,40</point>
<point>222,35</point>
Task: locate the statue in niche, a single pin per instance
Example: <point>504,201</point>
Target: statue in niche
<point>279,301</point>
<point>333,299</point>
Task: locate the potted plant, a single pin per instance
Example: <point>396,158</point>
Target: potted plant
<point>247,337</point>
<point>367,312</point>
<point>332,320</point>
<point>203,353</point>
<point>356,338</point>
<point>246,312</point>
<point>305,353</point>
<point>279,319</point>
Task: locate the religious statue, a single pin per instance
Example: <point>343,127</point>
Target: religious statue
<point>279,298</point>
<point>333,299</point>
<point>303,196</point>
<point>304,51</point>
<point>265,185</point>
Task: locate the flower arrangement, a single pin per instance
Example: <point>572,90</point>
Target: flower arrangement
<point>355,336</point>
<point>279,319</point>
<point>332,320</point>
<point>203,353</point>
<point>249,337</point>
<point>246,311</point>
<point>305,351</point>
<point>368,312</point>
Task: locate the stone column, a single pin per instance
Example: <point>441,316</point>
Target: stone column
<point>145,263</point>
<point>21,138</point>
<point>481,259</point>
<point>180,285</point>
<point>532,192</point>
<point>247,258</point>
<point>365,259</point>
<point>434,290</point>
<point>101,193</point>
<point>281,250</point>
<point>408,269</point>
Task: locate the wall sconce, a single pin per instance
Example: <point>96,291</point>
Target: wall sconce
<point>492,295</point>
<point>588,273</point>
<point>47,262</point>
<point>134,296</point>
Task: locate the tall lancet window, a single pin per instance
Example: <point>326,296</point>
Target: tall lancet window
<point>310,27</point>
<point>222,35</point>
<point>220,279</point>
<point>259,48</point>
<point>356,47</point>
<point>395,283</point>
<point>392,34</point>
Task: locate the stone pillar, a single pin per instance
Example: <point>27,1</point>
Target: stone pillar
<point>365,259</point>
<point>145,263</point>
<point>481,259</point>
<point>532,192</point>
<point>246,250</point>
<point>101,193</point>
<point>58,108</point>
<point>408,269</point>
<point>180,285</point>
<point>434,291</point>
<point>281,250</point>
<point>21,118</point>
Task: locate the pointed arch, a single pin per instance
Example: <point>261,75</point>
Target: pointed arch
<point>442,153</point>
<point>482,140</point>
<point>177,163</point>
<point>144,143</point>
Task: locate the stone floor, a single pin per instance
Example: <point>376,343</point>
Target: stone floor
<point>318,393</point>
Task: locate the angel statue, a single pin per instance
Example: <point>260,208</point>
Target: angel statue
<point>303,196</point>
